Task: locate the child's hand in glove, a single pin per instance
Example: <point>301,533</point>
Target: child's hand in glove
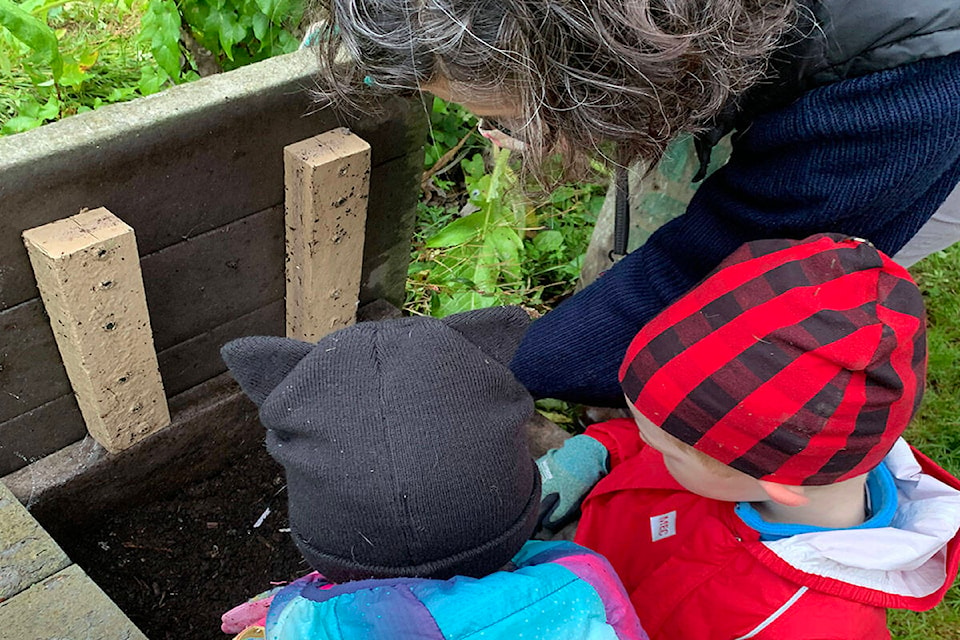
<point>567,474</point>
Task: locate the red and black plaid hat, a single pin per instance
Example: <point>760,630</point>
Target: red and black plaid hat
<point>795,361</point>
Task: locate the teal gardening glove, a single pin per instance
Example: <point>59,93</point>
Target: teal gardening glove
<point>566,476</point>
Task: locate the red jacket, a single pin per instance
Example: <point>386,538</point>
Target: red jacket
<point>695,571</point>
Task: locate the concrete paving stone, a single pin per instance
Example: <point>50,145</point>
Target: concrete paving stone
<point>27,553</point>
<point>65,606</point>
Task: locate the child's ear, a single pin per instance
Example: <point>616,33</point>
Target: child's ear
<point>496,330</point>
<point>260,363</point>
<point>785,494</point>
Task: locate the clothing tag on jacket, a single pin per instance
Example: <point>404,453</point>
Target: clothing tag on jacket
<point>663,525</point>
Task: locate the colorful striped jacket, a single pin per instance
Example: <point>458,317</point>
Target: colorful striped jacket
<point>558,590</point>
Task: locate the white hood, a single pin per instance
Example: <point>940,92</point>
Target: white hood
<point>908,558</point>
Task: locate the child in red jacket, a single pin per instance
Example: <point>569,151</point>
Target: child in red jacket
<point>762,489</point>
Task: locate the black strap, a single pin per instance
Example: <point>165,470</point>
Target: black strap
<point>621,212</point>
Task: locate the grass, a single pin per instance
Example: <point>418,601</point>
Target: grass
<point>61,57</point>
<point>103,63</point>
<point>940,623</point>
<point>936,430</point>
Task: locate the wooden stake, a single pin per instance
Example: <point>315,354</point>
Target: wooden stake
<point>88,272</point>
<point>327,181</point>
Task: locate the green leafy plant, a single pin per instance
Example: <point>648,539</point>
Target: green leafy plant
<point>29,38</point>
<point>234,32</point>
<point>160,30</point>
<point>481,241</point>
<point>452,129</point>
<point>556,242</point>
<point>60,57</point>
<point>473,260</point>
<point>498,248</point>
<point>34,33</point>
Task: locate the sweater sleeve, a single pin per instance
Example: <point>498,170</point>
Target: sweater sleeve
<point>872,157</point>
<point>620,436</point>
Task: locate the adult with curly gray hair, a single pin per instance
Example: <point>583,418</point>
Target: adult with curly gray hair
<point>846,112</point>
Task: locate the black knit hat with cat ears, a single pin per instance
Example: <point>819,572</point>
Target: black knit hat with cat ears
<point>402,441</point>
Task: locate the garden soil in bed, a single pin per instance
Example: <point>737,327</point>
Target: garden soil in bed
<point>175,565</point>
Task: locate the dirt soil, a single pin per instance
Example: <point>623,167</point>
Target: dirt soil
<point>175,565</point>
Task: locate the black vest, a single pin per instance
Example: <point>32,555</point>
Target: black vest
<point>857,37</point>
<point>834,40</point>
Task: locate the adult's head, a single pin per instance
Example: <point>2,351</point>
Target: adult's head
<point>604,78</point>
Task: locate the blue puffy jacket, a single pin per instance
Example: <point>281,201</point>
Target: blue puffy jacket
<point>558,590</point>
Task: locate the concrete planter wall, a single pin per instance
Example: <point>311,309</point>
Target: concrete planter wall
<point>197,171</point>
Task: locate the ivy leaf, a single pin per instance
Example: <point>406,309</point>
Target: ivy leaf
<point>119,94</point>
<point>261,24</point>
<point>288,44</point>
<point>473,167</point>
<point>151,80</point>
<point>33,33</point>
<point>29,107</point>
<point>268,7</point>
<point>231,32</point>
<point>50,110</point>
<point>160,27</point>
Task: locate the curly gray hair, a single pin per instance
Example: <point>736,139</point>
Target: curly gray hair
<point>617,79</point>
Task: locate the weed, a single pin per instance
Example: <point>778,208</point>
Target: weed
<point>497,247</point>
<point>480,240</point>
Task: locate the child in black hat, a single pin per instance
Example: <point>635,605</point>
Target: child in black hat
<point>410,484</point>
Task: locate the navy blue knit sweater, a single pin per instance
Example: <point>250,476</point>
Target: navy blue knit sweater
<point>871,157</point>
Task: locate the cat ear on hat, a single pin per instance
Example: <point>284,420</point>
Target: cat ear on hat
<point>496,330</point>
<point>260,363</point>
